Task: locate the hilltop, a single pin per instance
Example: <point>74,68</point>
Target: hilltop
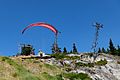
<point>61,67</point>
<point>16,68</point>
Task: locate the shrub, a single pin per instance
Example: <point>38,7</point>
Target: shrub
<point>101,62</point>
<point>50,77</point>
<point>75,76</point>
<point>90,65</point>
<point>68,69</point>
<point>79,64</point>
<point>118,62</point>
<point>72,57</point>
<point>59,77</point>
<point>58,56</point>
<point>15,75</point>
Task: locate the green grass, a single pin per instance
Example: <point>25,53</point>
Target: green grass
<point>46,76</point>
<point>50,66</point>
<point>20,72</point>
<point>67,76</point>
<point>58,56</point>
<point>75,76</point>
<point>98,63</point>
<point>72,57</point>
<point>101,62</point>
<point>51,69</point>
<point>48,72</point>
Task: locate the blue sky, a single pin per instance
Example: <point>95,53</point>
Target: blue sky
<point>73,18</point>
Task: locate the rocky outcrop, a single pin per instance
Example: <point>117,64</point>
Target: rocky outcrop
<point>84,63</point>
<point>110,71</point>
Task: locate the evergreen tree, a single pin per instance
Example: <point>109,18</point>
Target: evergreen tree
<point>65,50</point>
<point>99,50</point>
<point>112,48</point>
<point>71,52</point>
<point>118,51</point>
<point>107,51</point>
<point>74,49</point>
<point>59,50</point>
<point>27,50</point>
<point>103,50</point>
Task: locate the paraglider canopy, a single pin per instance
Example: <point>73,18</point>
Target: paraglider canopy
<point>45,25</point>
<point>42,24</point>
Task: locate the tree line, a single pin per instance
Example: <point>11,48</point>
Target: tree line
<point>112,49</point>
<point>28,50</point>
<point>65,51</point>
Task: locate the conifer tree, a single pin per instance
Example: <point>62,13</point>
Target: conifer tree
<point>103,50</point>
<point>74,49</point>
<point>71,52</point>
<point>64,50</point>
<point>107,51</point>
<point>112,48</point>
<point>99,50</point>
<point>27,49</point>
<point>118,51</point>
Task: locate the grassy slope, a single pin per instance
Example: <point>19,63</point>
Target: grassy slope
<point>32,69</point>
<point>18,72</point>
<point>16,69</point>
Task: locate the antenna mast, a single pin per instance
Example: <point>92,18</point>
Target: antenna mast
<point>95,43</point>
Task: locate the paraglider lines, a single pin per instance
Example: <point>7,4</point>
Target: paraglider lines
<point>45,25</point>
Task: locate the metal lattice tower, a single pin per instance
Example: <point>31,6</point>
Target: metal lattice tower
<point>55,48</point>
<point>95,43</point>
